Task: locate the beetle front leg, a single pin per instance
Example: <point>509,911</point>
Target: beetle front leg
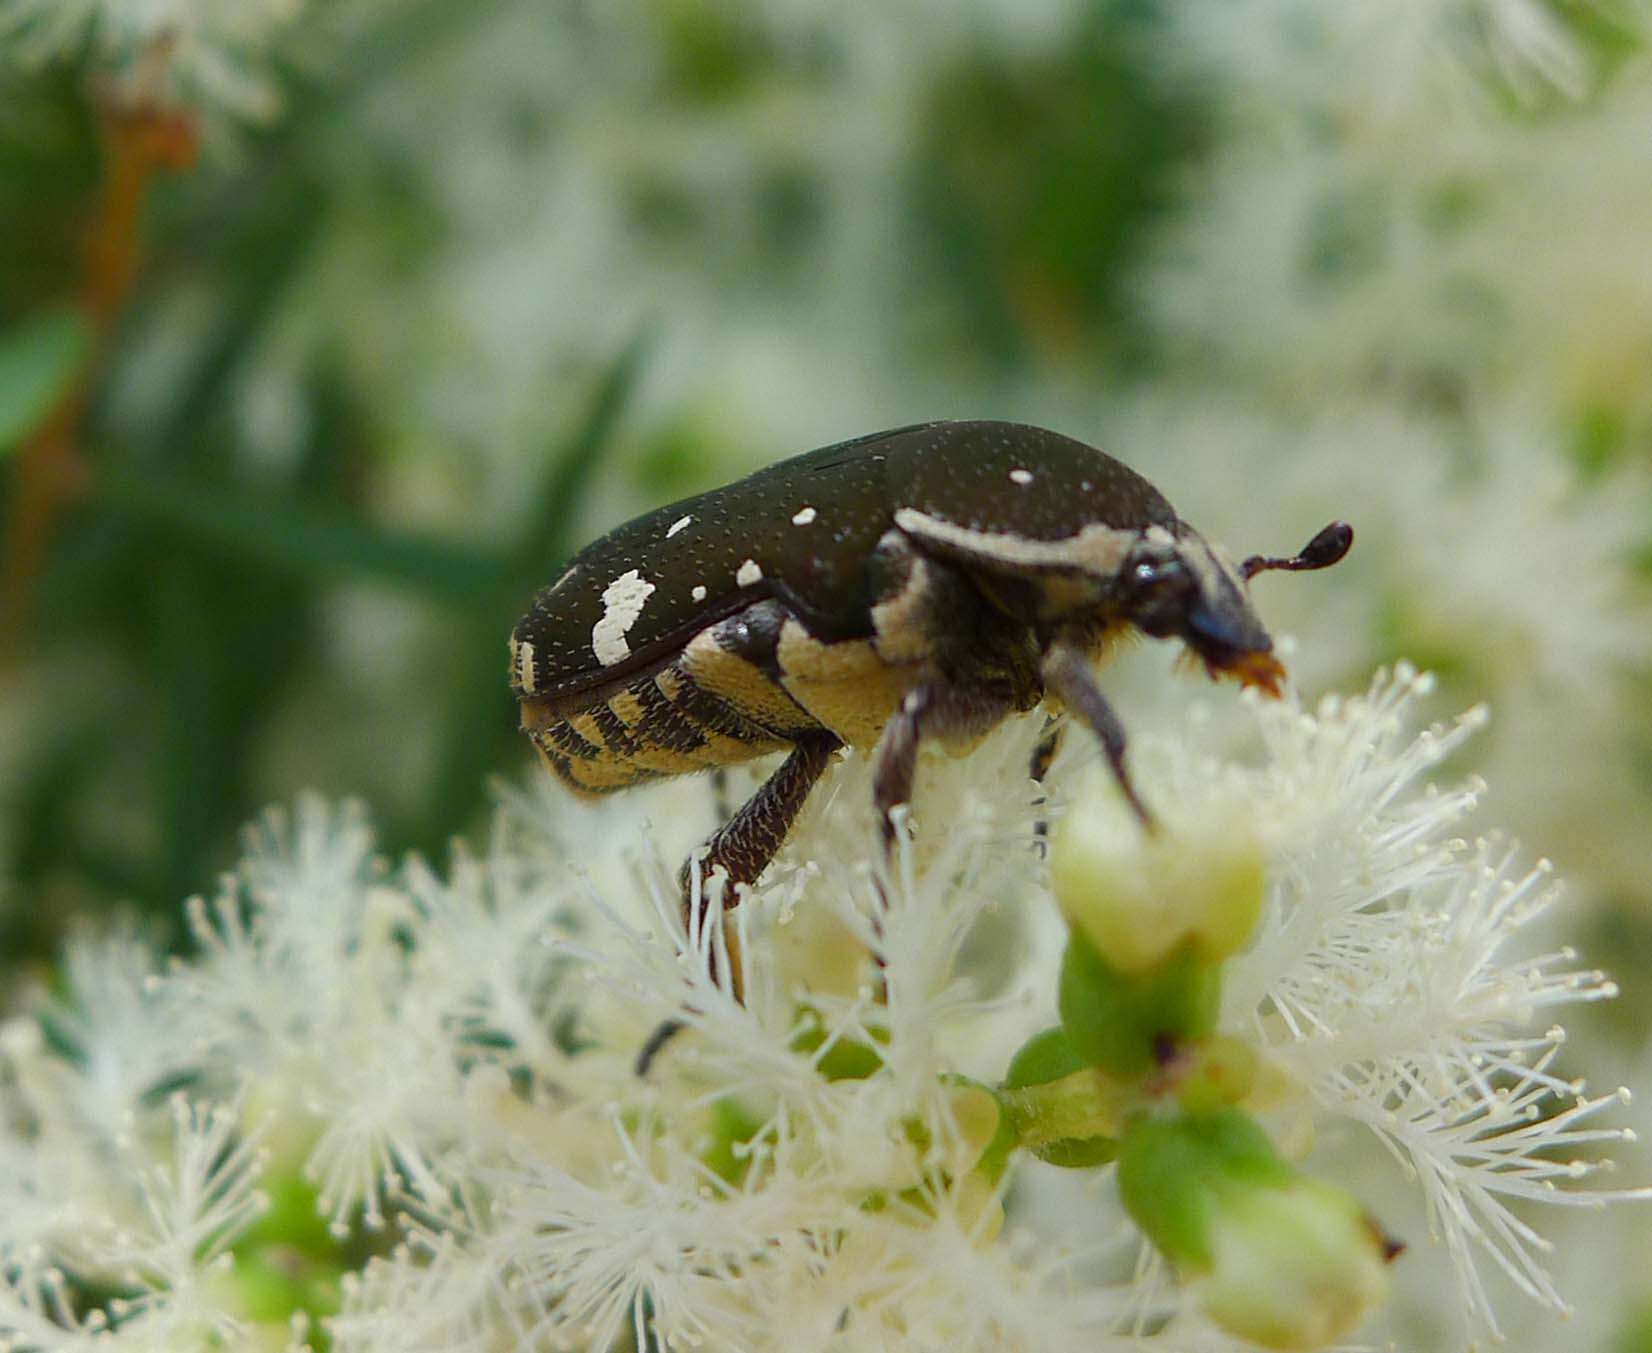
<point>1070,677</point>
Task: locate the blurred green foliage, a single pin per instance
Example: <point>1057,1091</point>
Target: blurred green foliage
<point>38,360</point>
<point>1037,183</point>
<point>192,571</point>
<point>186,605</point>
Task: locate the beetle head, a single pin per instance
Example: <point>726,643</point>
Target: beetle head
<point>1174,585</point>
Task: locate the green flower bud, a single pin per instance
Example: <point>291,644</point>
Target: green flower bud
<point>1224,1072</point>
<point>848,1059</point>
<point>976,1115</point>
<point>1139,900</point>
<point>287,1262</point>
<point>733,1126</point>
<point>1283,1260</point>
<point>1129,1024</point>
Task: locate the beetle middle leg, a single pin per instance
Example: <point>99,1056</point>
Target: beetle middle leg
<point>1054,733</point>
<point>935,710</point>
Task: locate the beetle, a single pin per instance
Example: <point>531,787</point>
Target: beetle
<point>911,585</point>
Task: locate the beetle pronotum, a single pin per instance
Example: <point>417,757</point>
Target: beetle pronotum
<point>912,585</point>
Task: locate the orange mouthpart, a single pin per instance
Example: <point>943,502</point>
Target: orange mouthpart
<point>1262,670</point>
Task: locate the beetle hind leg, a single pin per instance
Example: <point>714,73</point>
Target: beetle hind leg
<point>751,838</point>
<point>744,846</point>
<point>743,849</point>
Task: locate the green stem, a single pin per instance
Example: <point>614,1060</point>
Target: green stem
<point>1083,1105</point>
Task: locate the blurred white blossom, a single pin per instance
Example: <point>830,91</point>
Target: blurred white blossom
<point>1418,196</point>
<point>211,55</point>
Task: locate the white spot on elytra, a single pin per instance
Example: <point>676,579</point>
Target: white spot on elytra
<point>522,653</point>
<point>622,602</point>
<point>699,592</point>
<point>803,516</point>
<point>1021,476</point>
<point>677,526</point>
<point>750,572</point>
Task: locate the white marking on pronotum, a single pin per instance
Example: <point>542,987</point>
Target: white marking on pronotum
<point>622,602</point>
<point>677,526</point>
<point>564,578</point>
<point>750,572</point>
<point>803,516</point>
<point>699,592</point>
<point>1021,476</point>
<point>522,655</point>
<point>1097,549</point>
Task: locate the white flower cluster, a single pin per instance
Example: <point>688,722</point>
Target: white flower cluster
<point>444,1067</point>
<point>205,54</point>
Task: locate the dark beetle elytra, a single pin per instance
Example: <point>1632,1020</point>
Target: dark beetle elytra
<point>916,584</point>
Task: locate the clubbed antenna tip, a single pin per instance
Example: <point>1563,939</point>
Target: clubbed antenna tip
<point>1322,551</point>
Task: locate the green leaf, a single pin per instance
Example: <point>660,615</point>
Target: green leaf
<point>290,539</point>
<point>261,250</point>
<point>37,363</point>
<point>1043,1058</point>
<point>1077,1153</point>
<point>545,545</point>
<point>479,700</point>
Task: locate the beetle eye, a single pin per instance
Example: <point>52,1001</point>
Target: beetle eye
<point>1153,574</point>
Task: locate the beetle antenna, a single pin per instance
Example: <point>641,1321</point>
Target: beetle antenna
<point>1322,551</point>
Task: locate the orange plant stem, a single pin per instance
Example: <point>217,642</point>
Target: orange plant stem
<point>49,470</point>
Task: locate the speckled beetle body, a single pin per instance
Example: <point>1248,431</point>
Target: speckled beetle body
<point>916,584</point>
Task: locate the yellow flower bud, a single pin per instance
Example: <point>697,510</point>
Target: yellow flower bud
<point>975,1113</point>
<point>1139,898</point>
<point>1293,1268</point>
<point>979,1208</point>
